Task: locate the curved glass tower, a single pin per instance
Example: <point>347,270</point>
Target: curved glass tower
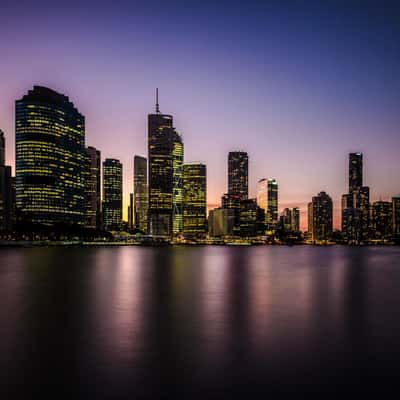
<point>50,159</point>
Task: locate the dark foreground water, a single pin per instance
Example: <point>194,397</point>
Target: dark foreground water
<point>198,321</point>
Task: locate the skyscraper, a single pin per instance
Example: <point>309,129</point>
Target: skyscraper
<point>194,199</point>
<point>320,217</point>
<point>355,204</point>
<point>272,216</point>
<point>355,171</point>
<point>6,192</point>
<point>112,194</point>
<point>177,196</point>
<point>140,193</point>
<point>262,194</point>
<point>93,188</point>
<point>238,173</point>
<point>50,158</point>
<point>382,220</point>
<point>396,216</point>
<point>161,143</point>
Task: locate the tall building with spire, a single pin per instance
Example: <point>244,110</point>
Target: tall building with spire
<point>165,157</point>
<point>50,159</point>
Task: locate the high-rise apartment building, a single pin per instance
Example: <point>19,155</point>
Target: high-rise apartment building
<point>50,159</point>
<point>112,194</point>
<point>252,218</point>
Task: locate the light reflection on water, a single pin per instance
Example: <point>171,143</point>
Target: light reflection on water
<point>130,317</point>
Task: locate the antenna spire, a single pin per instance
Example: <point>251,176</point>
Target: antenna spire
<point>157,105</point>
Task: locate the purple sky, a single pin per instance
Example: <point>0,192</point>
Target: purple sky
<point>298,85</point>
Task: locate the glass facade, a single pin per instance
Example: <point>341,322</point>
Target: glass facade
<point>194,199</point>
<point>50,159</point>
<point>238,174</point>
<point>140,189</point>
<point>112,194</point>
<point>93,188</point>
<point>272,216</point>
<point>320,217</point>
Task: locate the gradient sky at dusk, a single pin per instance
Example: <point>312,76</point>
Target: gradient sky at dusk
<point>296,84</point>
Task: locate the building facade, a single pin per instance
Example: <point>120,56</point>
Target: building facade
<point>382,221</point>
<point>140,193</point>
<point>93,188</point>
<point>252,218</point>
<point>220,222</point>
<point>355,204</point>
<point>112,194</point>
<point>272,214</point>
<point>194,199</point>
<point>320,217</point>
<point>238,174</point>
<point>50,159</point>
<point>161,141</point>
<point>177,196</point>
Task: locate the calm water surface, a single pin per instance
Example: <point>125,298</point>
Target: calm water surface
<point>129,322</point>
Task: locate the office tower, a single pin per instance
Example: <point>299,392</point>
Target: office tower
<point>130,212</point>
<point>231,202</point>
<point>112,194</point>
<point>320,217</point>
<point>295,219</point>
<point>140,193</point>
<point>396,215</point>
<point>355,171</point>
<point>194,199</point>
<point>252,218</point>
<point>162,140</point>
<point>93,188</point>
<point>50,159</point>
<point>355,204</point>
<point>262,194</point>
<point>177,196</point>
<point>272,214</point>
<point>238,173</point>
<point>382,221</point>
<point>2,149</point>
<point>220,222</point>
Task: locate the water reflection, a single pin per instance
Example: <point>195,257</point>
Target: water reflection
<point>131,319</point>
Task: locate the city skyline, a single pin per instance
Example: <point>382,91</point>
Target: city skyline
<point>256,91</point>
